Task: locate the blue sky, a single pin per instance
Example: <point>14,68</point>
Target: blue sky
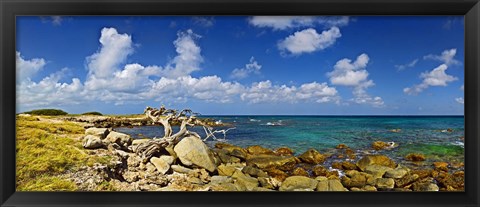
<point>336,65</point>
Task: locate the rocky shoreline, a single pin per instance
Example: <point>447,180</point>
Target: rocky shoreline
<point>225,167</point>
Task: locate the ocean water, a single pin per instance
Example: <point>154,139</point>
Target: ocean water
<point>421,134</point>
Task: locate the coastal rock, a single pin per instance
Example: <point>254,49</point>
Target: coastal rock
<point>398,172</point>
<point>180,169</point>
<point>284,151</point>
<point>162,163</point>
<point>241,154</point>
<point>312,156</point>
<point>298,183</point>
<point>269,183</point>
<point>277,174</point>
<point>258,150</point>
<point>415,157</point>
<point>441,166</point>
<point>266,161</point>
<point>92,142</point>
<point>375,160</point>
<point>226,170</point>
<point>379,145</point>
<point>349,165</point>
<point>193,151</point>
<point>254,172</point>
<point>300,171</point>
<point>385,183</point>
<point>139,141</point>
<point>330,185</point>
<point>224,187</point>
<point>369,188</point>
<point>377,170</point>
<point>408,179</point>
<point>341,146</point>
<point>319,170</point>
<point>119,138</point>
<point>100,132</point>
<point>425,186</point>
<point>244,180</point>
<point>224,158</point>
<point>217,179</point>
<point>455,181</point>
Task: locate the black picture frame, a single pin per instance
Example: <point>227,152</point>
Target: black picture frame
<point>11,8</point>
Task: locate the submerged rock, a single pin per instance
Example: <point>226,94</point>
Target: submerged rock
<point>193,151</point>
<point>298,183</point>
<point>415,157</point>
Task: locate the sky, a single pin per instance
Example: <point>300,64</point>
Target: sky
<point>242,65</point>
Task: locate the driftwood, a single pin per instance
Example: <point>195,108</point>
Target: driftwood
<point>166,117</point>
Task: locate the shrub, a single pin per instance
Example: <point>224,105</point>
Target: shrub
<point>93,113</point>
<point>47,112</point>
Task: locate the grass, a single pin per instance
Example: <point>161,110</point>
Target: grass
<point>45,151</point>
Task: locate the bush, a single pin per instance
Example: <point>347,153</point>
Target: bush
<point>47,112</point>
<point>93,113</point>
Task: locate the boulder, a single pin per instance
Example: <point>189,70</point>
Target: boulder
<point>226,170</point>
<point>119,138</point>
<point>241,179</point>
<point>100,132</point>
<point>238,153</point>
<point>377,171</point>
<point>319,170</point>
<point>312,156</point>
<point>298,183</point>
<point>162,163</point>
<point>224,187</point>
<point>425,186</point>
<point>398,172</point>
<point>193,151</point>
<point>408,179</point>
<point>385,183</point>
<point>443,166</point>
<point>300,171</point>
<point>284,151</point>
<point>92,142</point>
<point>224,158</point>
<point>277,174</point>
<point>379,145</point>
<point>349,165</point>
<point>180,169</point>
<point>257,150</point>
<point>218,179</point>
<point>415,157</point>
<point>330,185</point>
<point>266,161</point>
<point>254,172</point>
<point>269,183</point>
<point>139,141</point>
<point>375,160</point>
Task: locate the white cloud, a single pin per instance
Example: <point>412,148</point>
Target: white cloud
<point>308,40</point>
<point>354,74</point>
<point>264,91</point>
<point>460,100</point>
<point>287,22</point>
<point>462,87</point>
<point>25,69</point>
<point>203,21</point>
<point>436,77</point>
<point>188,59</point>
<point>57,20</point>
<point>251,67</point>
<point>408,65</point>
<point>447,57</point>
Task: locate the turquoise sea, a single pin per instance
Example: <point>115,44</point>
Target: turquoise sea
<point>421,134</point>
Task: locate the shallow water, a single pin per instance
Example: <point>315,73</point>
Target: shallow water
<point>421,134</point>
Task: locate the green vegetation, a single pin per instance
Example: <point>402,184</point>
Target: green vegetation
<point>47,112</point>
<point>93,113</point>
<point>47,150</point>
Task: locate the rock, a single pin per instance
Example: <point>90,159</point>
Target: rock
<point>122,154</point>
<point>224,187</point>
<point>258,150</point>
<point>284,151</point>
<point>337,165</point>
<point>349,165</point>
<point>269,183</point>
<point>99,132</point>
<point>217,179</point>
<point>119,138</point>
<point>224,158</point>
<point>342,146</point>
<point>330,185</point>
<point>377,170</point>
<point>298,183</point>
<point>312,156</point>
<point>162,163</point>
<point>202,174</point>
<point>277,174</point>
<point>385,183</point>
<point>375,160</point>
<point>425,186</point>
<point>226,170</point>
<point>180,169</point>
<point>131,176</point>
<point>193,151</point>
<point>150,167</point>
<point>398,172</point>
<point>319,170</point>
<point>239,153</point>
<point>267,161</point>
<point>455,181</point>
<point>415,157</point>
<point>406,180</point>
<point>262,189</point>
<point>254,172</point>
<point>139,141</point>
<point>300,172</point>
<point>134,161</point>
<point>379,145</point>
<point>357,180</point>
<point>369,188</point>
<point>92,142</point>
<point>248,182</point>
<point>443,166</point>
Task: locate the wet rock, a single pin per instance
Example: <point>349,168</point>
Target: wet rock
<point>99,132</point>
<point>277,174</point>
<point>300,172</point>
<point>162,163</point>
<point>455,181</point>
<point>119,138</point>
<point>349,165</point>
<point>254,172</point>
<point>241,179</point>
<point>377,170</point>
<point>180,169</point>
<point>330,185</point>
<point>416,157</point>
<point>408,179</point>
<point>258,150</point>
<point>319,170</point>
<point>350,154</point>
<point>337,165</point>
<point>398,172</point>
<point>369,188</point>
<point>379,145</point>
<point>92,142</point>
<point>269,183</point>
<point>441,166</point>
<point>425,186</point>
<point>298,183</point>
<point>385,183</point>
<point>357,180</point>
<point>284,151</point>
<point>341,146</point>
<point>241,154</point>
<point>268,161</point>
<point>375,160</point>
<point>193,151</point>
<point>312,156</point>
